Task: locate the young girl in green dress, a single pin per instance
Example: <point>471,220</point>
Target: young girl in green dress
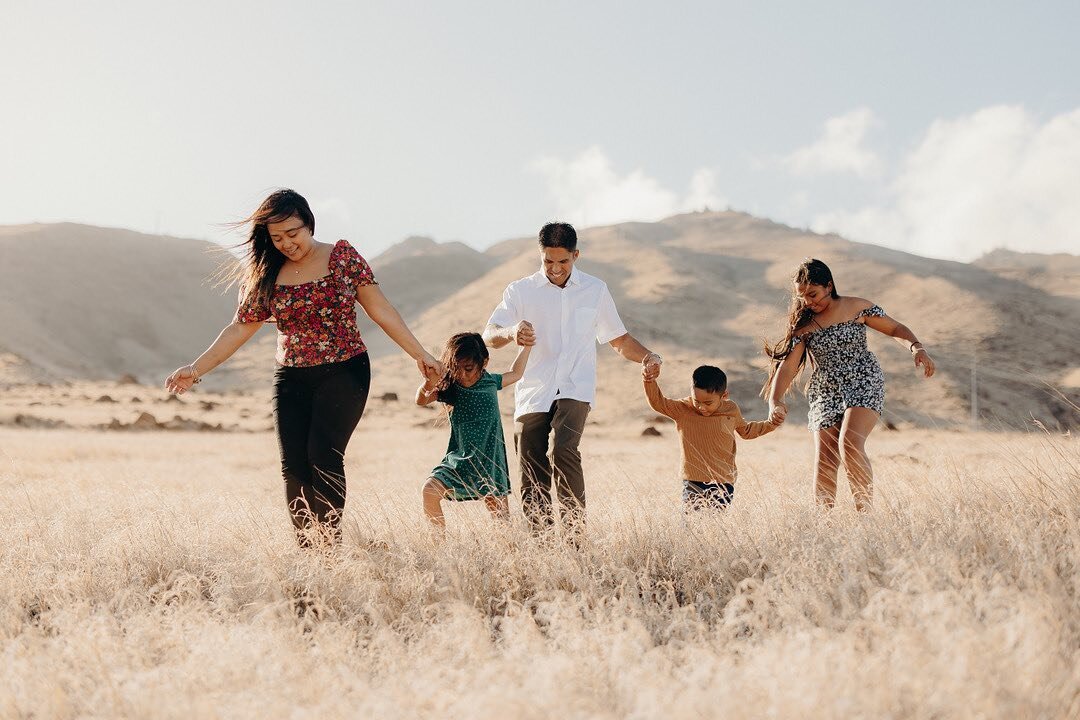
<point>475,463</point>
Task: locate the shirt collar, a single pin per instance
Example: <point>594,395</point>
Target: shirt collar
<point>540,278</point>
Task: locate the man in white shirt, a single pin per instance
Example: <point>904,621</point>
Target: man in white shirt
<point>562,313</point>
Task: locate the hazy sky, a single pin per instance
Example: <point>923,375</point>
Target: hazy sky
<point>946,129</point>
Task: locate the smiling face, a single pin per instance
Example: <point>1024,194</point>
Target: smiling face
<point>707,402</point>
<point>558,263</point>
<point>816,297</point>
<point>291,237</point>
<point>467,372</point>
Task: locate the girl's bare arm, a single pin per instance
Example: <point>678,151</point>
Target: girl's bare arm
<point>516,370</point>
<point>785,374</point>
<point>903,335</point>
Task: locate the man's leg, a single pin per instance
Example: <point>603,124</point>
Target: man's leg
<point>531,436</point>
<point>568,424</point>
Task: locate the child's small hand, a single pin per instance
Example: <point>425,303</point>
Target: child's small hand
<point>777,414</point>
<point>524,334</point>
<point>650,366</point>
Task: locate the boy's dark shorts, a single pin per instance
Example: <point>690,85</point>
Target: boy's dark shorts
<point>712,496</point>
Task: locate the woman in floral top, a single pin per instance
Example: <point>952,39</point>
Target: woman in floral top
<point>847,388</point>
<point>310,290</point>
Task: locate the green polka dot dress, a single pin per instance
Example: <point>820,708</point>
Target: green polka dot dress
<point>475,463</point>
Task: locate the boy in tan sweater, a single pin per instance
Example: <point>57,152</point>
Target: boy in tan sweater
<point>707,422</point>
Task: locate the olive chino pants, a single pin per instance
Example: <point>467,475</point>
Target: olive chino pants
<point>539,472</point>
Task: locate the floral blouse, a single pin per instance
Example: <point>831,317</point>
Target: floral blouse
<point>316,320</point>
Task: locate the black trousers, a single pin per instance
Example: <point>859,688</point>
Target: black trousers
<point>316,409</point>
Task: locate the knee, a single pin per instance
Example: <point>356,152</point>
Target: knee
<point>327,459</point>
<point>433,491</point>
<point>567,452</point>
<point>828,455</point>
<point>851,442</point>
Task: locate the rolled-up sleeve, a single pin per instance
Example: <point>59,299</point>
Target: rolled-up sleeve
<point>508,312</point>
<point>608,323</point>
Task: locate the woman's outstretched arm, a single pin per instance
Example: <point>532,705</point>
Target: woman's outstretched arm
<point>782,380</point>
<point>903,335</point>
<point>385,315</point>
<point>228,342</point>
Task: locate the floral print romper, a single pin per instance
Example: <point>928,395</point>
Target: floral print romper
<point>846,374</point>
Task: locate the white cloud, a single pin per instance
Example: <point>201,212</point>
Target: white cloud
<point>839,149</point>
<point>995,178</point>
<point>587,191</point>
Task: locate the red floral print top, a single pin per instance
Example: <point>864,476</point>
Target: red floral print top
<point>316,320</point>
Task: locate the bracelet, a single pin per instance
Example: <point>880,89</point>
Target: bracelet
<point>659,359</point>
<point>915,349</point>
<point>195,372</point>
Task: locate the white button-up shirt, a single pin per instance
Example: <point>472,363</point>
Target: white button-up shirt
<point>569,321</point>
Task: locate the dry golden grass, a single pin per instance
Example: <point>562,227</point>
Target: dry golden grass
<point>154,575</point>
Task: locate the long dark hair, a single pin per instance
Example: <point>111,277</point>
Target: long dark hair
<point>460,349</point>
<point>262,260</point>
<point>810,272</point>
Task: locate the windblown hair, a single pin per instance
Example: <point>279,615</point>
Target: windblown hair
<point>810,272</point>
<point>262,261</point>
<point>710,379</point>
<point>460,349</point>
<point>558,235</point>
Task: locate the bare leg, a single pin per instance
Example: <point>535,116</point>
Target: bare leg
<point>859,422</point>
<point>826,464</point>
<point>499,507</point>
<point>434,492</point>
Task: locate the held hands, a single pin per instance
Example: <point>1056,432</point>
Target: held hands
<point>524,334</point>
<point>429,366</point>
<point>777,413</point>
<point>923,358</point>
<point>650,366</point>
<point>182,379</point>
<point>431,379</point>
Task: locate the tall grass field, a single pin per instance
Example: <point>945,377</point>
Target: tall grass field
<point>154,575</point>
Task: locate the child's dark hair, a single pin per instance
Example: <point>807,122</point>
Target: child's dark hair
<point>558,235</point>
<point>710,379</point>
<point>460,349</point>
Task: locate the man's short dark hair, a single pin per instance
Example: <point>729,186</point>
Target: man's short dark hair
<point>558,235</point>
<point>710,379</point>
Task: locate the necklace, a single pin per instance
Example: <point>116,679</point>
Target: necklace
<point>299,265</point>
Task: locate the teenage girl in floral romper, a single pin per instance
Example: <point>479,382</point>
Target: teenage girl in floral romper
<point>847,388</point>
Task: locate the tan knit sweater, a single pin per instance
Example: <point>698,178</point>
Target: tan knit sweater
<point>708,442</point>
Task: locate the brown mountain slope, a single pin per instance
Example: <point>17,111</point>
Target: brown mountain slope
<point>80,301</point>
<point>91,302</point>
<point>707,287</point>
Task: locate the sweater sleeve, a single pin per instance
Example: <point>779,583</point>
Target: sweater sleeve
<point>658,402</point>
<point>750,429</point>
